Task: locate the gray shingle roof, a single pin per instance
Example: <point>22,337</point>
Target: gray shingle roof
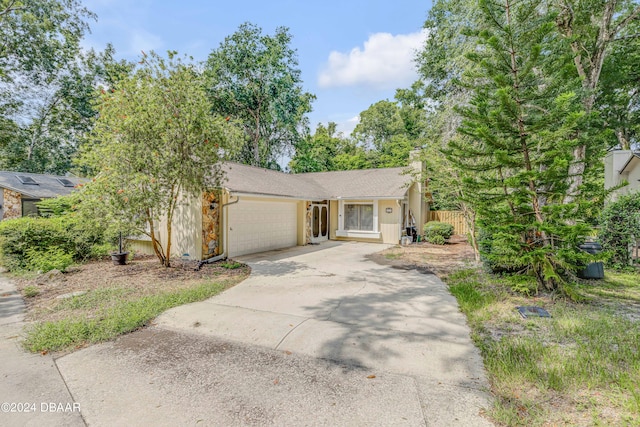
<point>353,184</point>
<point>47,185</point>
<point>363,183</point>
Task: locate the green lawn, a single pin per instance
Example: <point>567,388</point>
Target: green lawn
<point>580,367</point>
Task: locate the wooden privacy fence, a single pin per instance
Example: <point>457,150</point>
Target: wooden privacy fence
<point>455,218</point>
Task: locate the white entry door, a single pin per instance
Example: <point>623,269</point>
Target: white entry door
<point>319,222</point>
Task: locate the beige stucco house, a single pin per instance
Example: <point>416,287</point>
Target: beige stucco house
<point>258,209</point>
<point>622,166</point>
<point>20,191</point>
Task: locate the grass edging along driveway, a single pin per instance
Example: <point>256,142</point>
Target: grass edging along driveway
<point>103,312</point>
<point>579,367</point>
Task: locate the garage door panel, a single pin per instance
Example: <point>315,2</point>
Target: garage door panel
<point>256,226</point>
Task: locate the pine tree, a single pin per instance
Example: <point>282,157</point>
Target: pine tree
<point>519,124</point>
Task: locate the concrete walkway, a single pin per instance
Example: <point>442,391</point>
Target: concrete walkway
<point>29,383</point>
<point>334,304</point>
<point>317,335</point>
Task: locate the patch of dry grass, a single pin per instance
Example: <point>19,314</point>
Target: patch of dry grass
<point>100,284</point>
<point>98,301</point>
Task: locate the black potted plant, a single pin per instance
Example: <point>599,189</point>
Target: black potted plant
<point>120,257</point>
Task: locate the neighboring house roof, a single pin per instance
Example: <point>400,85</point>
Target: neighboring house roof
<point>631,157</point>
<point>41,186</point>
<point>352,184</point>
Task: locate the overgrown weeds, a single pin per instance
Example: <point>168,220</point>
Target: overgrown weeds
<point>579,367</point>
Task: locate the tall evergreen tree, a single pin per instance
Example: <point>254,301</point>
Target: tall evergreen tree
<point>519,126</point>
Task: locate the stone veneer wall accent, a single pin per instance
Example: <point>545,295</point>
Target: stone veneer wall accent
<point>309,224</point>
<point>210,225</point>
<point>12,204</point>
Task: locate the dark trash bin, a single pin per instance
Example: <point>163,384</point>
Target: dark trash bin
<point>593,270</point>
<point>413,233</point>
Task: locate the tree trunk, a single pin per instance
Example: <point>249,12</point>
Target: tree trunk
<point>470,218</point>
<point>172,205</point>
<point>157,246</point>
<point>167,255</point>
<point>623,140</point>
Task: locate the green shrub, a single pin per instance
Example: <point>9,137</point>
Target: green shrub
<point>54,241</point>
<point>619,224</point>
<point>100,250</point>
<point>57,206</point>
<point>54,258</point>
<point>231,265</point>
<point>31,291</point>
<point>436,228</point>
<point>21,235</point>
<point>437,240</point>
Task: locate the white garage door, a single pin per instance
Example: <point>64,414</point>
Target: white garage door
<point>257,226</point>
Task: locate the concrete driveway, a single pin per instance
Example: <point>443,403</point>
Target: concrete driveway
<point>317,335</point>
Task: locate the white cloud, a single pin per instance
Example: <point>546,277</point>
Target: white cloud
<point>386,62</point>
<point>347,126</point>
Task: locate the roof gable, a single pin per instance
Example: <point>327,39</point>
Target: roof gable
<point>627,165</point>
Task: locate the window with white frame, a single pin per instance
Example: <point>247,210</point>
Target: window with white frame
<point>358,217</point>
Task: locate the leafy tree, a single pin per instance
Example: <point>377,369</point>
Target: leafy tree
<point>519,125</point>
<point>446,188</point>
<point>618,99</point>
<point>441,64</point>
<point>592,53</point>
<point>443,58</point>
<point>327,150</point>
<point>591,28</point>
<point>46,83</point>
<point>255,79</point>
<point>351,156</point>
<point>315,153</point>
<point>388,131</point>
<point>155,142</point>
<point>38,37</point>
<point>56,116</point>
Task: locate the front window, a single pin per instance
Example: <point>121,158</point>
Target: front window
<point>29,207</point>
<point>358,217</point>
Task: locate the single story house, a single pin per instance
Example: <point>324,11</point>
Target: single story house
<point>21,191</point>
<point>622,166</point>
<point>258,210</point>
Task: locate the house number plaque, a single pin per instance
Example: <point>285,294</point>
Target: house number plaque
<point>388,210</point>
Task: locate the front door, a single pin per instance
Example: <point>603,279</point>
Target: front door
<point>319,222</point>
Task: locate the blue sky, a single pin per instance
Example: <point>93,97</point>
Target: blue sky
<point>352,53</point>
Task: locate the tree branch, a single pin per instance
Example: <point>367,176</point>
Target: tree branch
<point>630,36</point>
<point>633,15</point>
<point>10,9</point>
